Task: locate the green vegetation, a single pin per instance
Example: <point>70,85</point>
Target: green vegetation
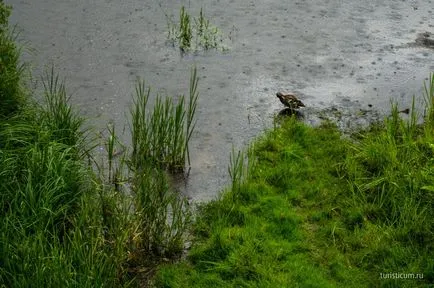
<point>306,207</point>
<point>193,34</point>
<point>162,137</point>
<point>160,141</point>
<point>67,219</point>
<point>10,70</point>
<point>317,210</point>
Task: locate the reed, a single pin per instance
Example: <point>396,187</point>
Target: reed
<point>185,31</point>
<point>162,215</point>
<point>429,101</point>
<point>238,171</point>
<point>161,136</point>
<point>58,116</point>
<point>193,34</point>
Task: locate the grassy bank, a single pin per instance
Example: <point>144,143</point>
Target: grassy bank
<point>68,219</point>
<point>319,210</point>
<point>306,208</point>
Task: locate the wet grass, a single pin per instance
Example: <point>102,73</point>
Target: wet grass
<point>62,222</point>
<point>194,33</point>
<point>69,219</point>
<point>306,207</point>
<point>160,135</point>
<point>66,223</point>
<point>319,210</point>
<point>54,231</point>
<point>10,68</point>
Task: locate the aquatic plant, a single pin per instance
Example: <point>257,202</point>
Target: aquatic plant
<point>162,215</point>
<point>161,136</point>
<point>185,33</point>
<point>201,35</point>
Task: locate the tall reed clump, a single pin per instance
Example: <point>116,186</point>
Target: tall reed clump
<point>11,96</point>
<point>160,138</point>
<point>192,34</point>
<point>58,116</point>
<point>185,31</point>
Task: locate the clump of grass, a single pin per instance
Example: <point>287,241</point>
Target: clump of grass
<point>193,34</point>
<point>162,215</point>
<point>59,117</point>
<point>429,101</point>
<point>185,31</point>
<point>11,92</point>
<point>52,230</point>
<point>161,137</point>
<point>241,164</point>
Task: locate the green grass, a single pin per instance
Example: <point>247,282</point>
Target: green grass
<point>68,219</point>
<point>160,143</point>
<point>161,136</point>
<point>194,33</point>
<point>11,90</point>
<point>306,208</point>
<point>319,210</point>
<point>67,223</point>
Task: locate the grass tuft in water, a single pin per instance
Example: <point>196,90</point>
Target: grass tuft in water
<point>160,137</point>
<point>193,34</point>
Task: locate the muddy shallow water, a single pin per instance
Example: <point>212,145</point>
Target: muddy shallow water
<point>348,55</point>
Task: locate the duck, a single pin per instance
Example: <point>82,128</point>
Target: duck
<point>290,100</point>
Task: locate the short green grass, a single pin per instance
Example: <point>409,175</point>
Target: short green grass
<point>319,210</point>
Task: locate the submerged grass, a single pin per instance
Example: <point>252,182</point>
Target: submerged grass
<point>160,143</point>
<point>193,34</point>
<point>161,136</point>
<point>320,210</point>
